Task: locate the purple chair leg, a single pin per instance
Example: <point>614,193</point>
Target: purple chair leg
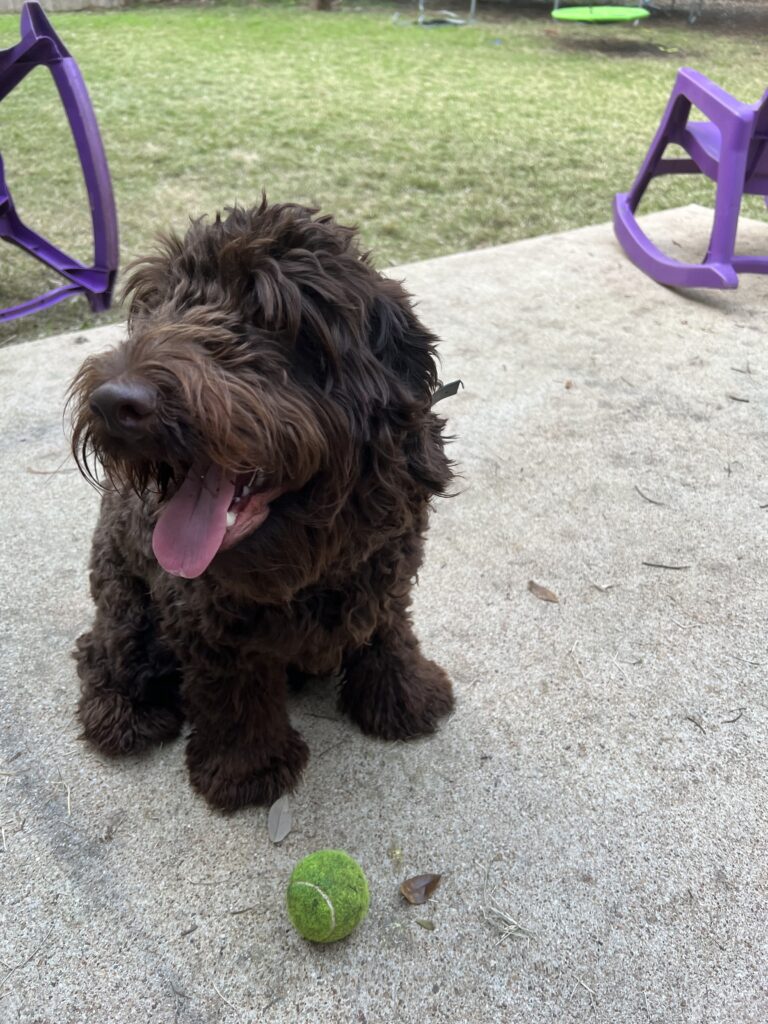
<point>734,122</point>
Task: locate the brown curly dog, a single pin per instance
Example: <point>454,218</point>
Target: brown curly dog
<point>269,454</point>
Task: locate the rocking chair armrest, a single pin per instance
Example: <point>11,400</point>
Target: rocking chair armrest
<point>715,103</point>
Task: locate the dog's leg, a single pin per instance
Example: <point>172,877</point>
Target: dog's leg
<point>390,689</point>
<point>243,749</point>
<point>129,678</point>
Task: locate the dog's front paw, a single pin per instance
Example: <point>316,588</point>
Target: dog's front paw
<point>395,700</point>
<point>236,776</point>
<point>117,725</point>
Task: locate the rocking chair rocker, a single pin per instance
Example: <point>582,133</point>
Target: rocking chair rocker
<point>731,148</point>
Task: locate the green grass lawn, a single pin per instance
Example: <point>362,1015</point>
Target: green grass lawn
<point>432,140</point>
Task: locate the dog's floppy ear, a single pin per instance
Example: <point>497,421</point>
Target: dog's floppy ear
<point>401,342</point>
<point>150,279</point>
<point>408,351</point>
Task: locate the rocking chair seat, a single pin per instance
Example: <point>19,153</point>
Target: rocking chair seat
<point>702,140</point>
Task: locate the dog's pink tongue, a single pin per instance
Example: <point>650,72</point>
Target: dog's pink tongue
<point>192,525</point>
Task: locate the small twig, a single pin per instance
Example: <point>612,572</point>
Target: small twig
<point>494,914</point>
<point>333,746</point>
<point>746,661</point>
<point>661,565</point>
<point>586,987</point>
<point>60,782</point>
<point>583,984</point>
<point>23,963</point>
<point>578,666</point>
<point>696,722</point>
<point>652,501</point>
<point>603,589</point>
<point>188,931</point>
<point>244,910</point>
<point>618,666</point>
<point>737,369</point>
<point>730,721</point>
<point>683,625</point>
<point>737,398</point>
<point>225,1000</point>
<point>213,881</point>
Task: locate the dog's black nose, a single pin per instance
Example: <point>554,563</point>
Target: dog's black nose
<point>125,406</point>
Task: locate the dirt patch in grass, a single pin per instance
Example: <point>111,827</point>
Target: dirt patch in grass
<point>610,47</point>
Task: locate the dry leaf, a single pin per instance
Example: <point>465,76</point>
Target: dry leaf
<point>279,820</point>
<point>418,889</point>
<point>428,926</point>
<point>542,593</point>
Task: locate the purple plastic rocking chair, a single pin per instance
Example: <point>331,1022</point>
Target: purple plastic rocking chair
<point>731,148</point>
<point>40,45</point>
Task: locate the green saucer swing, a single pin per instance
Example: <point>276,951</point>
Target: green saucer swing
<point>595,13</point>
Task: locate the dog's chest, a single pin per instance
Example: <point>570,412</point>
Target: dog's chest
<point>312,632</point>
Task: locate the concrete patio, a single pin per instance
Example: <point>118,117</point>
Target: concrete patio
<point>603,780</point>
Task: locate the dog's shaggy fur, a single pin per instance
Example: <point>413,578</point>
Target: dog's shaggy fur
<point>264,350</point>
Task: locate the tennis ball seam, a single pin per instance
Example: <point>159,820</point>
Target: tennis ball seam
<point>326,897</point>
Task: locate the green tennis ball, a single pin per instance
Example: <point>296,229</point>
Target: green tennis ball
<point>327,896</point>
